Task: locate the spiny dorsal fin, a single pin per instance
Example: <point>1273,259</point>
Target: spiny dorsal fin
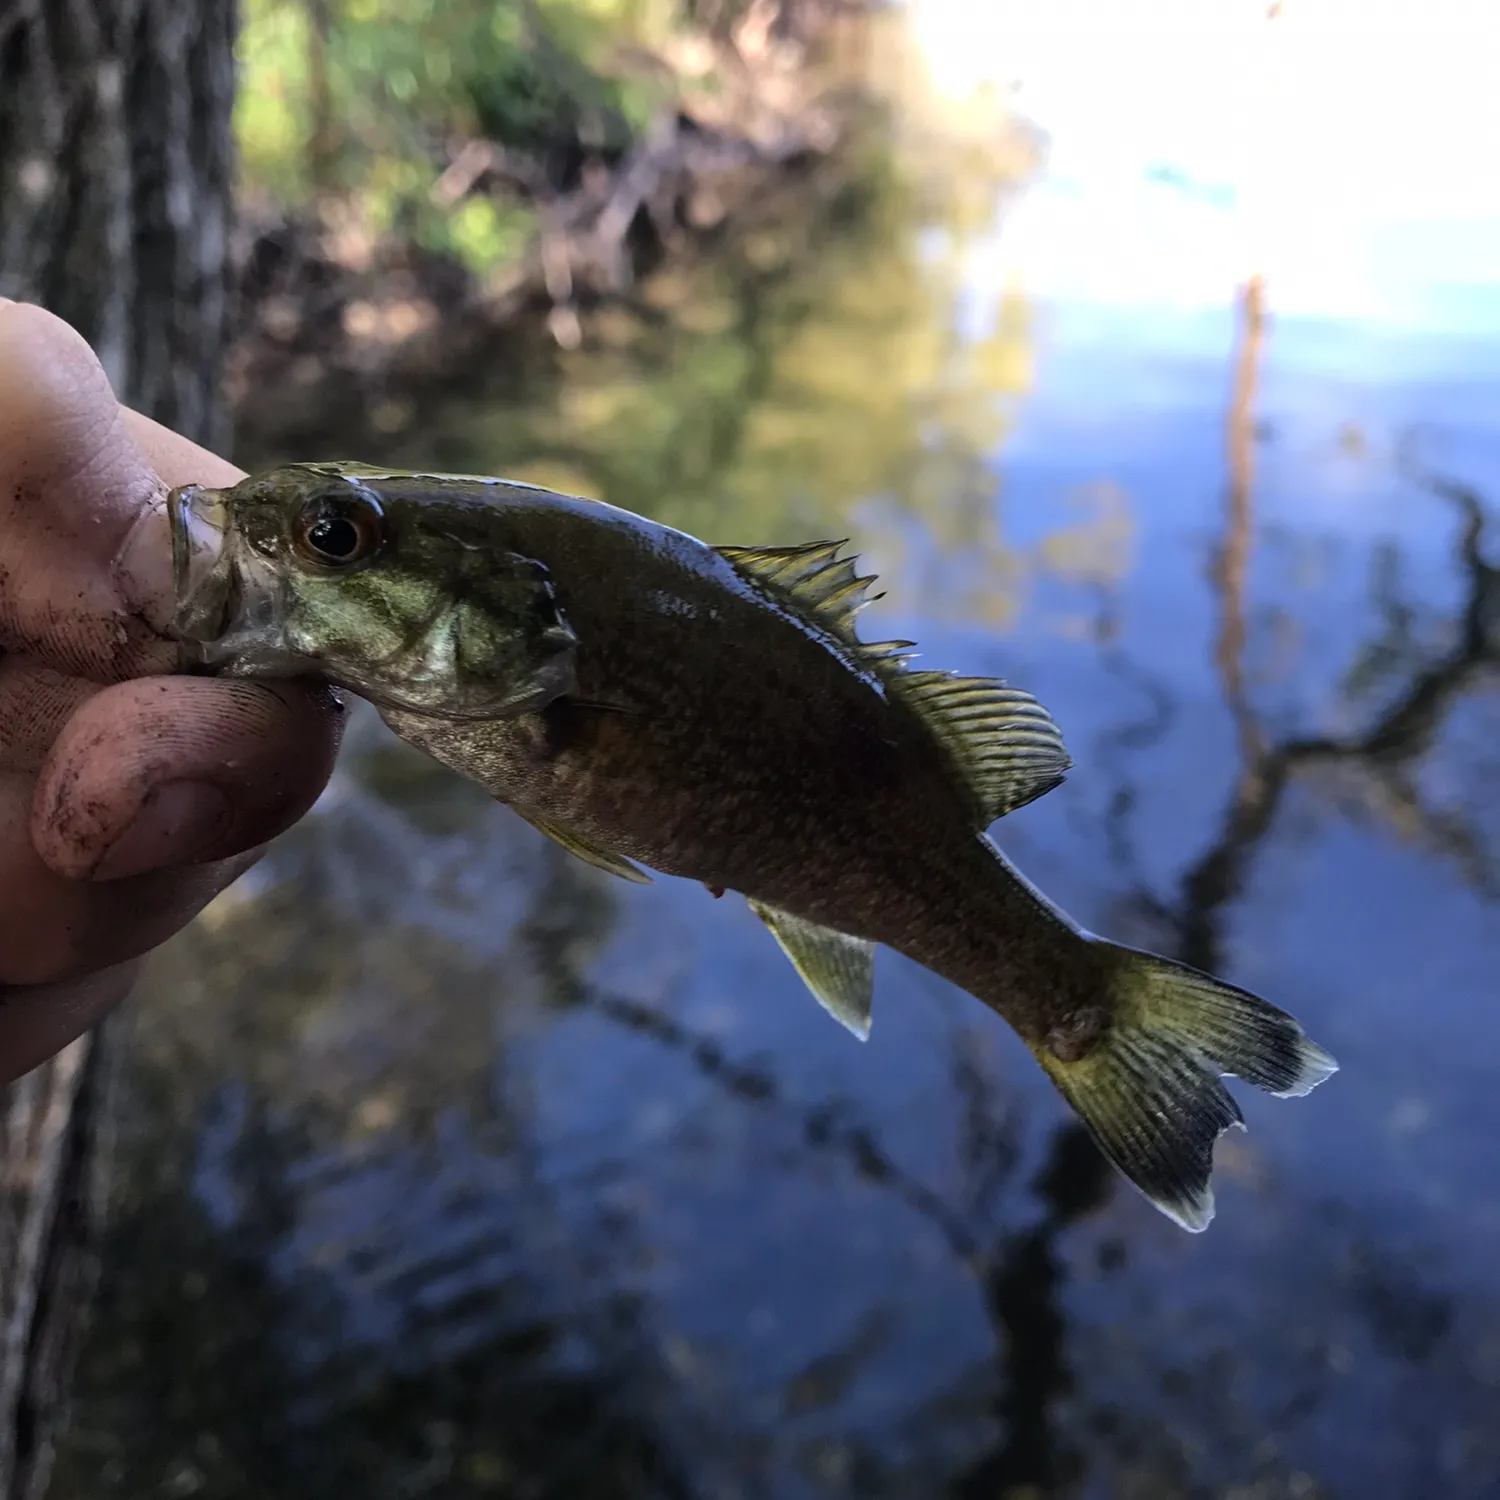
<point>813,576</point>
<point>1007,747</point>
<point>1002,741</point>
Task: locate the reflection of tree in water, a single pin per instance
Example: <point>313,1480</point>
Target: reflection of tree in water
<point>1419,680</point>
<point>197,1380</point>
<point>337,1264</point>
<point>305,1297</point>
<point>1019,1275</point>
<point>336,1271</point>
<point>357,1053</point>
<point>1385,754</point>
<point>1023,1282</point>
<point>217,1370</point>
<point>1422,690</point>
<point>356,1050</point>
<point>194,1386</point>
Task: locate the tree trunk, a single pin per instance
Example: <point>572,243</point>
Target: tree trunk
<point>114,187</point>
<point>115,156</point>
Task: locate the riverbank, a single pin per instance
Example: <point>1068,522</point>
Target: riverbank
<point>347,324</point>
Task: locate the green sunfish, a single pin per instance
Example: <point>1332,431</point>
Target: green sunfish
<point>710,712</point>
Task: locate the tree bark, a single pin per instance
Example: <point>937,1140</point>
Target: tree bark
<point>115,163</point>
<point>115,156</point>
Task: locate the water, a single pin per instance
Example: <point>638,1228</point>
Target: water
<point>452,1167</point>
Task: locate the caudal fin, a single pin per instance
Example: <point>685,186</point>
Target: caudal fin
<point>1149,1091</point>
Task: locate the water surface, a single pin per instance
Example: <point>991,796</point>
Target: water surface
<point>452,1167</point>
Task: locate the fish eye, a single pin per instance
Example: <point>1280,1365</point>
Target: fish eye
<point>338,531</point>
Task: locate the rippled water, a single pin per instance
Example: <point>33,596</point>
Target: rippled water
<point>452,1167</point>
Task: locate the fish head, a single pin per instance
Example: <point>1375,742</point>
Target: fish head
<point>318,569</point>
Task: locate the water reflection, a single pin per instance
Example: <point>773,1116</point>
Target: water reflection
<point>1378,763</point>
<point>453,1168</point>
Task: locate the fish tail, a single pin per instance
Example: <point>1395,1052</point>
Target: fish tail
<point>1143,1071</point>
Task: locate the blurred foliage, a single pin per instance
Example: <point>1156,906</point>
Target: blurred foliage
<point>815,368</point>
<point>365,100</point>
<point>819,372</point>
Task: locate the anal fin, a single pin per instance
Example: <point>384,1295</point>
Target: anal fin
<point>837,968</point>
<point>575,844</point>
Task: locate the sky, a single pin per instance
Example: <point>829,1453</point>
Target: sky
<point>1348,152</point>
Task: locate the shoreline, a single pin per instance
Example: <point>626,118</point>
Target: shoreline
<point>340,332</point>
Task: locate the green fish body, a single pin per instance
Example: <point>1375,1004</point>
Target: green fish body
<point>711,713</point>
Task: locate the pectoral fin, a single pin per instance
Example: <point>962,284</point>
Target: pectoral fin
<point>837,968</point>
<point>601,859</point>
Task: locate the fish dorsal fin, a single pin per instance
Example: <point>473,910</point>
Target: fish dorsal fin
<point>813,576</point>
<point>1002,741</point>
<point>575,844</point>
<point>837,968</point>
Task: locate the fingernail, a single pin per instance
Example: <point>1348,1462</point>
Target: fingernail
<point>176,823</point>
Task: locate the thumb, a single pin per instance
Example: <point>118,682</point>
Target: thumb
<point>73,489</point>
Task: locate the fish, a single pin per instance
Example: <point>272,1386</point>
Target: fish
<point>651,702</point>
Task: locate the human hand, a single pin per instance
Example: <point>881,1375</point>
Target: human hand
<point>128,799</point>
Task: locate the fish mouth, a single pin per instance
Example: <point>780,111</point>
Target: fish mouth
<point>229,604</point>
<point>198,521</point>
